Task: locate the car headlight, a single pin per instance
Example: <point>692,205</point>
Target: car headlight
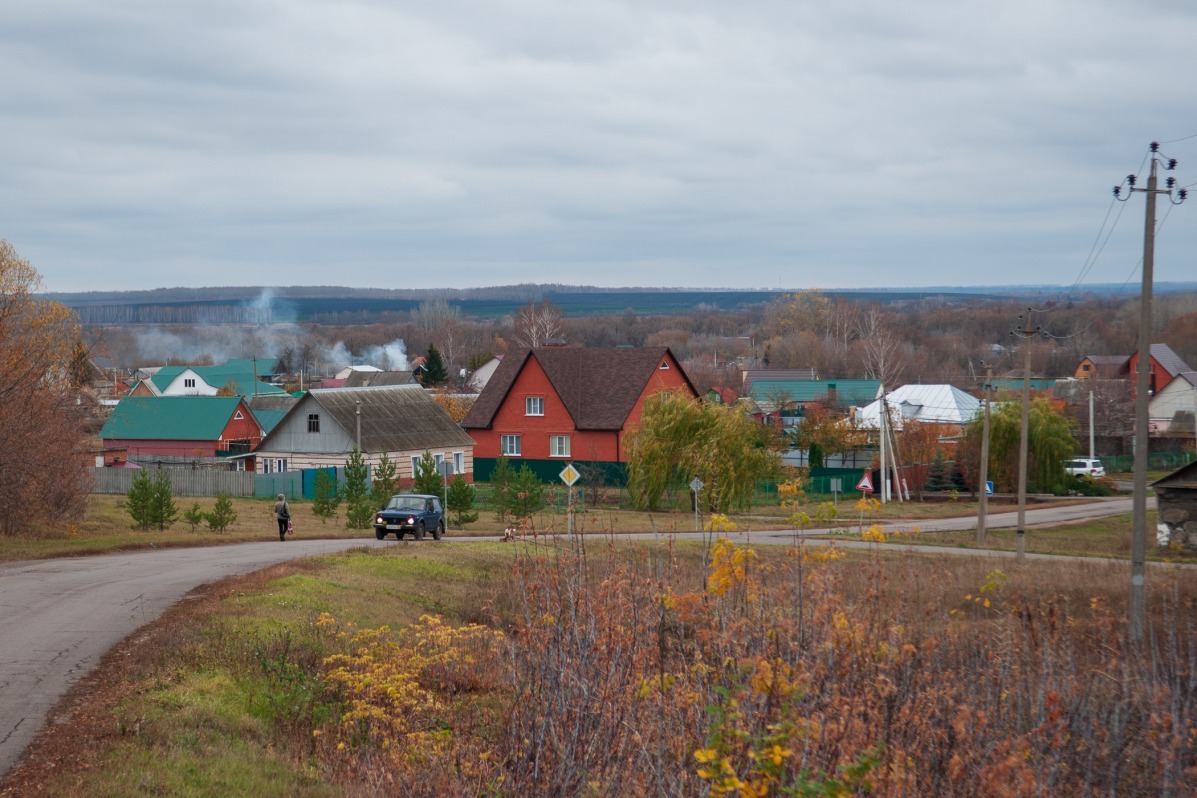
<point>379,520</point>
<point>411,519</point>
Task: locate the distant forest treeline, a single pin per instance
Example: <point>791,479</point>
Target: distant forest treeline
<point>338,305</point>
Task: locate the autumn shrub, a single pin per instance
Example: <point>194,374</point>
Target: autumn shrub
<point>630,671</point>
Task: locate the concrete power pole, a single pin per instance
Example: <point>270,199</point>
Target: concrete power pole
<point>1138,586</point>
<point>983,505</point>
<point>1026,334</point>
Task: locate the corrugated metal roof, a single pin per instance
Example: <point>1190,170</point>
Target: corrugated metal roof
<point>941,404</point>
<point>395,418</point>
<point>173,418</point>
<point>854,393</point>
<point>1169,361</point>
<point>365,379</point>
<point>752,375</point>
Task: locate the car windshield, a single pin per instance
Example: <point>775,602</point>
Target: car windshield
<point>406,503</point>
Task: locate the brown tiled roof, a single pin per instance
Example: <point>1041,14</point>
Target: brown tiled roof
<point>599,387</point>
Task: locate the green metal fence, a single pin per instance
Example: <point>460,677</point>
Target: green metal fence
<point>1156,461</point>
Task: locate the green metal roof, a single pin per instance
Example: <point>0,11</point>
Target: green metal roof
<point>238,373</point>
<point>847,392</point>
<point>269,419</point>
<point>175,418</point>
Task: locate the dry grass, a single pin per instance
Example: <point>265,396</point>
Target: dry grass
<point>637,670</point>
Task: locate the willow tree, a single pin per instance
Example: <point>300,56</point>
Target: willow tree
<point>41,466</point>
<point>1050,443</point>
<point>679,438</point>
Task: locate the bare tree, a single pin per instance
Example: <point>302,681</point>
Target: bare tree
<point>537,323</point>
<point>882,351</point>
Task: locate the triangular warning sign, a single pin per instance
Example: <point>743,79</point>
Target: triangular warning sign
<point>866,483</point>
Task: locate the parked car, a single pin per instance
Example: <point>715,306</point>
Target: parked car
<point>1085,467</point>
<point>416,513</point>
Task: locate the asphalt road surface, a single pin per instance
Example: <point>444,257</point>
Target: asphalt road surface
<point>58,617</point>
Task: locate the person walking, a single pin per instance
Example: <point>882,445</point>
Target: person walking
<point>283,513</point>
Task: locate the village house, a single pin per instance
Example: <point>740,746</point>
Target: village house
<point>400,421</point>
<point>552,405</point>
<point>239,377</point>
<point>193,427</point>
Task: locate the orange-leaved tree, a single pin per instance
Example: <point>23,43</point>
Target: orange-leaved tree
<point>41,467</point>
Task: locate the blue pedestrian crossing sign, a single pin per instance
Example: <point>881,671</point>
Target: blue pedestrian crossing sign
<point>989,488</point>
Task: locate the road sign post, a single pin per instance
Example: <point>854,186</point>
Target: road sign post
<point>696,485</point>
<point>569,475</point>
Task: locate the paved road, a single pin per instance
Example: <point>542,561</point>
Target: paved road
<point>58,617</point>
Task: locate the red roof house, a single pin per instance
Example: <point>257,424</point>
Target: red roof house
<point>568,403</point>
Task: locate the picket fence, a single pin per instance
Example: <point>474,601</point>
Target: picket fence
<point>183,481</point>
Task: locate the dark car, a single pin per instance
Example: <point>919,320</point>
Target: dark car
<point>416,513</point>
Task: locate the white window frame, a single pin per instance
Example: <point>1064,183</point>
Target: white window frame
<point>533,405</point>
<point>415,464</point>
<point>237,416</point>
<point>555,447</point>
<point>188,382</point>
<point>511,445</point>
<point>459,462</point>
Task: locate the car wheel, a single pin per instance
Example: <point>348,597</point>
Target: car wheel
<point>440,530</point>
<point>380,533</point>
<point>420,531</point>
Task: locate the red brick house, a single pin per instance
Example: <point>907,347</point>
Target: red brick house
<point>1165,365</point>
<point>553,405</point>
<point>181,426</point>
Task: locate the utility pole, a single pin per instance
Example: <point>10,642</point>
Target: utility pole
<point>1025,334</point>
<point>983,505</point>
<point>1092,448</point>
<point>1138,586</point>
<point>881,428</point>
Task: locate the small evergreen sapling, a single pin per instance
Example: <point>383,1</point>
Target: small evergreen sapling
<point>139,501</point>
<point>359,509</point>
<point>324,495</point>
<point>195,516</point>
<point>461,501</point>
<point>383,484</point>
<point>427,480</point>
<point>164,512</point>
<point>223,515</point>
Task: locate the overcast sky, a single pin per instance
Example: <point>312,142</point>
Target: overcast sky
<point>771,144</point>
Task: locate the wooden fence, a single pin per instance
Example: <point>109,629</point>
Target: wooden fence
<point>183,481</point>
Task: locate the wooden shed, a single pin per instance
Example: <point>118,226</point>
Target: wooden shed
<point>1176,496</point>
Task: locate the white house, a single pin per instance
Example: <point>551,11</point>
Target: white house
<point>1179,395</point>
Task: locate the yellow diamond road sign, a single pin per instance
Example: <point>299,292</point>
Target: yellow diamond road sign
<point>569,475</point>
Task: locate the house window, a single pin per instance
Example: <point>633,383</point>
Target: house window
<point>313,422</point>
<point>439,458</point>
<point>1084,367</point>
<point>558,446</point>
<point>415,465</point>
<point>188,382</point>
<point>280,465</point>
<point>459,462</point>
<point>509,446</point>
<point>237,416</point>
<point>534,406</point>
<point>664,365</point>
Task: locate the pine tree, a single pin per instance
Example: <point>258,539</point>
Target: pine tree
<point>195,516</point>
<point>324,495</point>
<point>500,484</point>
<point>427,480</point>
<point>139,501</point>
<point>223,515</point>
<point>525,496</point>
<point>435,372</point>
<point>383,484</point>
<point>359,507</point>
<point>937,474</point>
<point>461,501</point>
<point>163,509</point>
